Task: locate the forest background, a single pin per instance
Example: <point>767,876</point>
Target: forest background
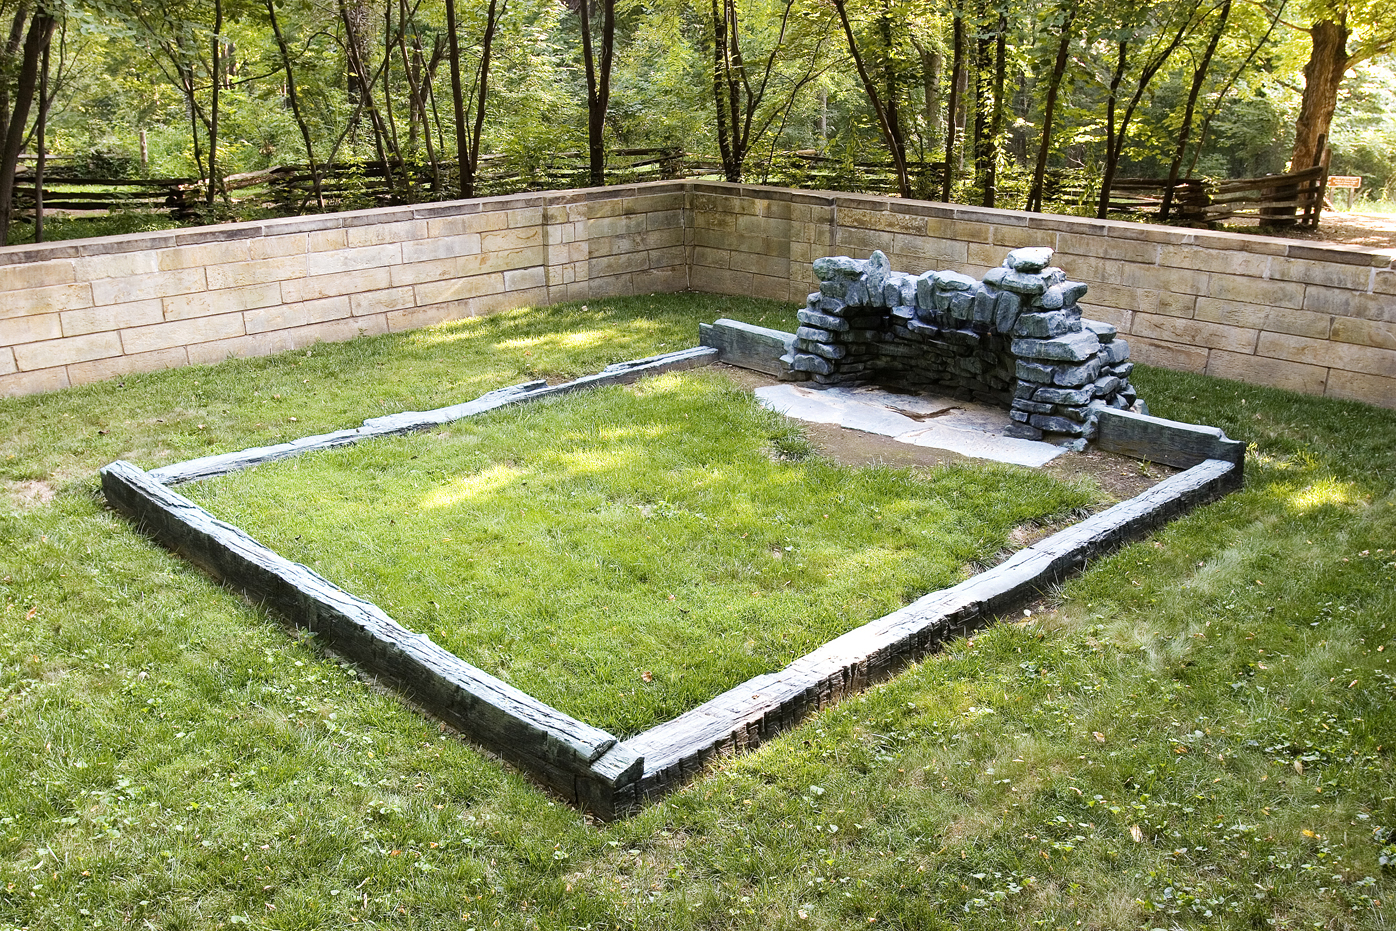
<point>1023,100</point>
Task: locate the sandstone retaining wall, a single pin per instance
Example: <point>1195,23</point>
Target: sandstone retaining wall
<point>87,310</point>
<point>1312,317</point>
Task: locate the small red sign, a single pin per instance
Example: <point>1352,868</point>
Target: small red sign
<point>1352,182</point>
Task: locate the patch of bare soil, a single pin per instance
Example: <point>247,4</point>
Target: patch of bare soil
<point>21,496</point>
<point>1119,477</point>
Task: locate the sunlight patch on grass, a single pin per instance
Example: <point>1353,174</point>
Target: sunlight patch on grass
<point>470,487</point>
<point>1326,492</point>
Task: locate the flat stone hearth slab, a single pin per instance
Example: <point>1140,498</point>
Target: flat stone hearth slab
<point>964,427</point>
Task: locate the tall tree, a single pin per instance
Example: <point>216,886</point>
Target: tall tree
<point>1199,75</point>
<point>295,101</point>
<point>598,75</point>
<point>743,101</point>
<point>1342,35</point>
<point>1067,17</point>
<point>882,99</point>
<point>952,106</point>
<point>31,29</point>
<point>468,143</point>
<point>1160,30</point>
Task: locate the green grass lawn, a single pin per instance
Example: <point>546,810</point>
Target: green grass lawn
<point>629,553</point>
<point>1199,735</point>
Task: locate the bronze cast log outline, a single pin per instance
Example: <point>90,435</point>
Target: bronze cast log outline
<point>587,766</point>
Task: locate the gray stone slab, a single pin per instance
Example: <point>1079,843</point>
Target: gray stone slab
<point>967,428</point>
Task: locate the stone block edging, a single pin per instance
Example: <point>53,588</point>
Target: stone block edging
<point>584,764</point>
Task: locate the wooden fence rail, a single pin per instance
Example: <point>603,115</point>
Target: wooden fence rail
<point>1293,199</point>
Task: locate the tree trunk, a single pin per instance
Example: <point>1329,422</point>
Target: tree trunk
<point>931,63</point>
<point>983,103</point>
<point>41,28</point>
<point>482,88</point>
<point>996,118</point>
<point>295,104</point>
<point>1185,131</point>
<point>724,92</point>
<point>952,106</point>
<point>216,78</point>
<point>1323,75</point>
<point>457,98</point>
<point>1049,110</point>
<point>41,147</point>
<point>598,84</point>
<point>1111,153</point>
<point>354,50</point>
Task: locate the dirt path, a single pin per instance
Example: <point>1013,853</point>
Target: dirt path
<point>1373,230</point>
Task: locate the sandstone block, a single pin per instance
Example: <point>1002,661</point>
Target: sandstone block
<point>711,258</point>
<point>285,316</point>
<point>45,300</point>
<point>456,289</point>
<point>256,272</point>
<point>278,246</point>
<point>1369,360</point>
<point>1364,332</point>
<point>1372,389</point>
<point>30,329</point>
<point>7,361</point>
<point>29,275</point>
<point>197,256</point>
<point>213,303</point>
<point>21,383</point>
<point>1344,304</point>
<point>1322,274</point>
<point>322,286</point>
<point>181,333</point>
<point>101,369</point>
<point>1257,370</point>
<point>1180,356</point>
<point>442,247</point>
<point>377,302</point>
<point>56,352</point>
<point>1255,291</point>
<point>414,318</point>
<point>116,265</point>
<point>145,287</point>
<point>1119,250</point>
<point>353,260</point>
<point>327,240</point>
<point>118,317</point>
<point>1194,332</point>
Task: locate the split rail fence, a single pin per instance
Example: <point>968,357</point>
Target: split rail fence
<point>1293,199</point>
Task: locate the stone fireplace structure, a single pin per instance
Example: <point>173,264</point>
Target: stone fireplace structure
<point>1015,339</point>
